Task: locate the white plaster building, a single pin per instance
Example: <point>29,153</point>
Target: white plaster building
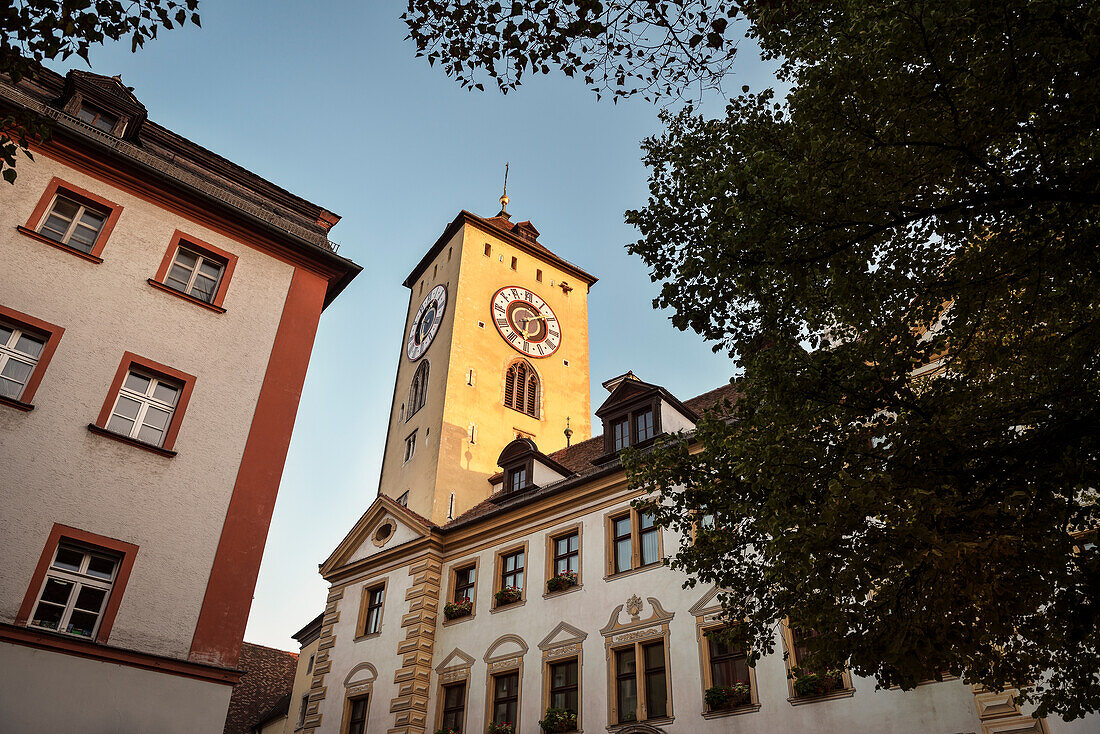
<point>158,306</point>
<point>466,598</point>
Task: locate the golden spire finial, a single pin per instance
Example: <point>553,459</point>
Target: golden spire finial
<point>504,197</point>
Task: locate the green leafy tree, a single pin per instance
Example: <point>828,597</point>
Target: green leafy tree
<point>33,31</point>
<point>926,196</point>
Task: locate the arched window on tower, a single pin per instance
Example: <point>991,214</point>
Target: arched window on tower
<point>418,390</point>
<point>521,388</point>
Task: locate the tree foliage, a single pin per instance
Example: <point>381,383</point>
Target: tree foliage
<point>622,47</point>
<point>33,31</point>
<point>928,193</point>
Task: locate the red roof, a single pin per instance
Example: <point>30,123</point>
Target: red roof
<point>268,677</point>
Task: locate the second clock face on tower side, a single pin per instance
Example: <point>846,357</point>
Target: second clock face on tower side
<point>526,321</point>
<point>426,322</point>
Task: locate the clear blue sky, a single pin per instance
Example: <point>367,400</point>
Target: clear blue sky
<point>332,105</point>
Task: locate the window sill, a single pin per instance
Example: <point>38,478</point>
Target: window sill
<point>59,245</point>
<point>506,607</point>
<point>832,696</point>
<point>563,592</point>
<point>179,294</point>
<point>631,572</point>
<point>99,430</point>
<point>746,709</point>
<point>371,636</point>
<point>457,620</point>
<point>17,404</point>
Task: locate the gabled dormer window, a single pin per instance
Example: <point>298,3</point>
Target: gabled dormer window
<point>517,479</point>
<point>620,433</point>
<point>633,427</point>
<point>644,427</point>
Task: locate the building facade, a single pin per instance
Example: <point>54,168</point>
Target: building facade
<point>502,582</point>
<point>158,306</point>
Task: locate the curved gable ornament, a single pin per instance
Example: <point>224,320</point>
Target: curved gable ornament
<point>491,656</point>
<point>658,617</point>
<point>641,729</point>
<point>360,679</point>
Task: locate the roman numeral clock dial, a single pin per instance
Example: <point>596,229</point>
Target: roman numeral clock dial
<point>426,322</point>
<point>526,322</point>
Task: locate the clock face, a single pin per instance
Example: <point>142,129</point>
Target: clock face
<point>526,322</point>
<point>426,322</point>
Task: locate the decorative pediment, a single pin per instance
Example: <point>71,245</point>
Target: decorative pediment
<point>360,680</point>
<point>384,525</point>
<point>506,646</point>
<point>109,96</point>
<point>456,659</point>
<point>564,640</point>
<point>709,603</point>
<point>658,616</point>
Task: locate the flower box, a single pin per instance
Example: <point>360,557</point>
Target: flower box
<point>809,684</point>
<point>724,698</point>
<point>508,595</point>
<point>503,728</point>
<point>454,610</point>
<point>559,720</point>
<point>562,581</point>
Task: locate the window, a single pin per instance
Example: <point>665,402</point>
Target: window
<point>798,643</point>
<point>515,262</point>
<point>727,667</point>
<point>72,219</point>
<point>454,706</point>
<point>403,500</point>
<point>488,249</point>
<point>302,709</point>
<point>195,274</point>
<point>643,426</point>
<point>567,553</point>
<point>418,389</point>
<point>621,434</point>
<point>634,541</point>
<point>144,407</point>
<point>564,686</point>
<point>309,665</point>
<point>538,275</point>
<point>370,614</point>
<point>196,270</point>
<point>357,715</point>
<point>465,580</point>
<point>19,354</point>
<point>73,223</point>
<point>641,692</point>
<point>74,595</point>
<point>506,698</point>
<point>521,388</point>
<point>511,570</point>
<point>517,479</point>
<point>410,446</point>
<point>97,118</point>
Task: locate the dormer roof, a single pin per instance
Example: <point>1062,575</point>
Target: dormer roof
<point>541,469</point>
<point>629,390</point>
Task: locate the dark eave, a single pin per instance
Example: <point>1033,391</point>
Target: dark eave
<point>531,248</point>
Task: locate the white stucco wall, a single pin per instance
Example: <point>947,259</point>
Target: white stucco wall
<point>673,420</point>
<point>56,471</point>
<point>44,692</point>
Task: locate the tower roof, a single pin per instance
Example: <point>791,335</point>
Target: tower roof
<point>521,235</point>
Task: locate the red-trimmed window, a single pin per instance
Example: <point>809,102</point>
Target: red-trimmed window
<point>78,584</point>
<point>73,219</point>
<point>195,270</point>
<point>26,346</point>
<point>146,403</point>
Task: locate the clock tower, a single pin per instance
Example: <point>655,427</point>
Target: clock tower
<point>495,346</point>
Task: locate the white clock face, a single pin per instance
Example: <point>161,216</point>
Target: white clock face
<point>526,322</point>
<point>426,322</point>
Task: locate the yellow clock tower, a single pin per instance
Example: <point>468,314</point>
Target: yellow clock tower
<point>495,347</point>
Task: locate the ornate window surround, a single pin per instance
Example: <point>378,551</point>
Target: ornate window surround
<point>355,689</point>
<point>708,616</point>
<point>618,635</point>
<point>502,665</point>
<point>845,691</point>
<point>566,648</point>
<point>455,668</point>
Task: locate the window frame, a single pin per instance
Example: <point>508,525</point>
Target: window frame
<point>790,661</point>
<point>142,364</point>
<point>56,187</point>
<point>98,113</point>
<point>641,671</point>
<point>498,575</point>
<point>418,390</point>
<point>636,533</point>
<point>349,705</point>
<point>365,608</point>
<point>530,375</point>
<point>40,329</point>
<point>630,413</point>
<point>452,588</point>
<point>548,673</point>
<point>410,448</point>
<point>126,552</point>
<point>707,674</point>
<point>551,555</point>
<point>443,708</point>
<point>492,697</point>
<point>180,240</point>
